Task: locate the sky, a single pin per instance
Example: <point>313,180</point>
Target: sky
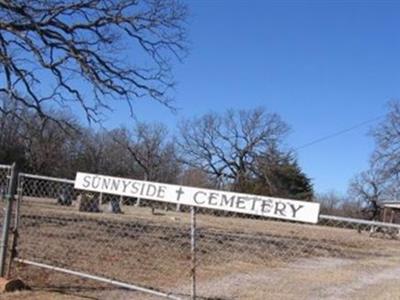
<point>323,66</point>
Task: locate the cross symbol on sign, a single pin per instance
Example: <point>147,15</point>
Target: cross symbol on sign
<point>179,193</point>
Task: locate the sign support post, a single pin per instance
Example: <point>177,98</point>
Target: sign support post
<point>193,250</point>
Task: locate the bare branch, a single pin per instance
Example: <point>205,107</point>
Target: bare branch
<point>89,52</point>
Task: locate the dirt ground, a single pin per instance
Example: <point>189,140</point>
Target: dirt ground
<point>237,258</point>
<point>322,278</point>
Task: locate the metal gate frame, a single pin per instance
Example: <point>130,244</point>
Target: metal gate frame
<point>134,287</point>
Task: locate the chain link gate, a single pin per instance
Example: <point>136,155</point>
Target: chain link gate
<point>62,229</point>
<point>150,248</point>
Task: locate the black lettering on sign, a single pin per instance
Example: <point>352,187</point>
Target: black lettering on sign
<point>142,189</point>
<point>115,185</point>
<point>151,190</point>
<point>134,187</point>
<point>255,200</point>
<point>280,208</point>
<point>294,209</point>
<point>225,201</point>
<point>211,197</point>
<point>196,199</point>
<point>86,181</point>
<point>161,191</point>
<point>125,184</point>
<point>96,182</point>
<point>241,202</point>
<point>266,206</point>
<point>105,183</point>
<point>252,204</point>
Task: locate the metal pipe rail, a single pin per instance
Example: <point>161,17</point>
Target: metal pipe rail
<point>40,177</point>
<point>359,221</point>
<point>98,278</point>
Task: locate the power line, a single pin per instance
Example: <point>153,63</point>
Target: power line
<point>338,133</point>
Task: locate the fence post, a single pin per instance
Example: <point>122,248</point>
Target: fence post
<point>14,240</point>
<point>193,251</point>
<point>7,218</point>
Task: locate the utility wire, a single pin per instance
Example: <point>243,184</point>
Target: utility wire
<point>338,133</point>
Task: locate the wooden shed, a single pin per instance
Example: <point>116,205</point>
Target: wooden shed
<point>391,212</point>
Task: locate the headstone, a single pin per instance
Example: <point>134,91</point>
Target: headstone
<point>114,206</point>
<point>88,202</point>
<point>64,199</point>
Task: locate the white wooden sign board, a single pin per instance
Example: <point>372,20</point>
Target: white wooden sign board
<point>214,199</point>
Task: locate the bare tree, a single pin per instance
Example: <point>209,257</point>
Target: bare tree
<point>386,156</point>
<point>331,203</point>
<point>146,145</point>
<point>382,179</point>
<point>89,52</point>
<point>195,177</point>
<point>49,147</point>
<point>228,146</point>
<point>100,153</point>
<point>11,146</point>
<point>368,189</point>
<point>150,149</point>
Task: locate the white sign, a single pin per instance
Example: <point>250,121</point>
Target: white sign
<point>213,199</point>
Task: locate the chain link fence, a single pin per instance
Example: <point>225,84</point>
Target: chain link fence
<point>247,258</point>
<point>151,248</point>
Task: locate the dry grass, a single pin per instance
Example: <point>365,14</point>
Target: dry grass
<point>237,258</point>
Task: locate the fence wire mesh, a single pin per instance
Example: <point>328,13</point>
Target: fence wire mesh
<point>66,228</point>
<point>245,258</point>
<point>238,257</point>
